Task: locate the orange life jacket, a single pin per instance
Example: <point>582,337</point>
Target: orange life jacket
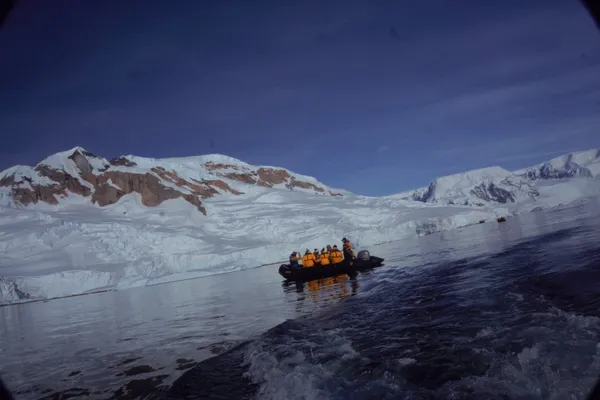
<point>336,256</point>
<point>324,258</point>
<point>308,260</point>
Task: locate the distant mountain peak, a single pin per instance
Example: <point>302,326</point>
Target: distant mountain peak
<point>577,164</point>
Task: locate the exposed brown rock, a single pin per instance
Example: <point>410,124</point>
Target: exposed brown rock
<point>80,158</point>
<point>149,186</point>
<point>244,176</point>
<point>84,166</point>
<point>26,196</point>
<point>304,185</point>
<point>194,201</point>
<point>240,177</point>
<point>90,177</point>
<point>201,190</point>
<point>65,180</point>
<point>82,163</point>
<point>47,194</point>
<point>220,184</point>
<point>106,194</point>
<point>34,193</point>
<point>7,181</point>
<point>269,177</point>
<point>122,161</point>
<point>211,166</point>
<point>152,191</point>
<point>169,176</point>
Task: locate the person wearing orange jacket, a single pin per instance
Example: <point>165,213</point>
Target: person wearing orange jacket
<point>324,257</point>
<point>336,256</point>
<point>308,260</point>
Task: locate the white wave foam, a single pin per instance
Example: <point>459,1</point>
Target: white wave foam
<point>298,370</point>
<point>578,321</point>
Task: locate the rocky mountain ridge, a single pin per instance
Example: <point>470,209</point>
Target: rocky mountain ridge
<point>81,173</point>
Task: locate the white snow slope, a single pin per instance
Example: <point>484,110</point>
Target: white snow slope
<point>75,247</point>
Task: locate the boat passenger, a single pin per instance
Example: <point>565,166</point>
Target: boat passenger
<point>317,255</point>
<point>324,257</point>
<point>347,247</point>
<point>308,260</point>
<point>294,258</point>
<point>336,256</point>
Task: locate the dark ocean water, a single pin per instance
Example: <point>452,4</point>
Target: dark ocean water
<point>509,311</point>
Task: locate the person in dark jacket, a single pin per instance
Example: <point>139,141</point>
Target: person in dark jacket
<point>347,248</point>
<point>317,256</point>
<point>294,258</point>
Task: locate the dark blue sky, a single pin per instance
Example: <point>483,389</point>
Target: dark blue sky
<point>372,96</point>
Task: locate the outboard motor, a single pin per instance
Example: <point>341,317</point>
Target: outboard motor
<point>364,255</point>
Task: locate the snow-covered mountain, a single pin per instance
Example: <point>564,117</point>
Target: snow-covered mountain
<point>68,176</point>
<point>77,222</point>
<point>475,188</point>
<point>486,186</point>
<point>579,164</point>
